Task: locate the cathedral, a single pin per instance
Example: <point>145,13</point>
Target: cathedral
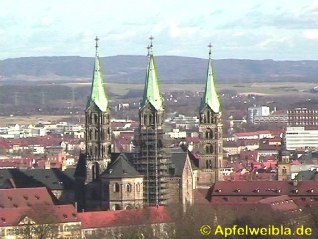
<point>153,175</point>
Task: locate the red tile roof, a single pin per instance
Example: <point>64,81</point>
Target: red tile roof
<point>280,203</point>
<point>11,216</point>
<point>102,219</point>
<point>16,163</point>
<point>200,196</point>
<point>24,197</point>
<point>48,140</point>
<point>253,191</point>
<point>39,214</point>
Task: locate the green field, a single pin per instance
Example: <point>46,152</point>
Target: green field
<point>274,89</point>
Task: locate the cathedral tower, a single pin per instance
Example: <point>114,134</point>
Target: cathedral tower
<point>210,132</point>
<point>97,125</point>
<point>152,161</point>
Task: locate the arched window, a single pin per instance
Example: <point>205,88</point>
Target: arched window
<point>128,187</point>
<point>209,134</point>
<point>284,170</point>
<point>208,148</point>
<point>150,119</point>
<point>201,118</point>
<point>96,152</point>
<point>90,134</point>
<point>208,163</point>
<point>96,134</point>
<point>92,118</point>
<point>129,207</point>
<point>138,187</point>
<point>212,119</point>
<point>93,172</point>
<point>116,187</point>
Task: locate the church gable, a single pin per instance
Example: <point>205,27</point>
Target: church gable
<point>121,168</point>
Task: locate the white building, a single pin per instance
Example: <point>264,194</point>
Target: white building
<point>257,111</point>
<point>177,134</point>
<point>301,138</point>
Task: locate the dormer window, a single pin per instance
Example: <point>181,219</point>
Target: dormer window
<point>218,190</point>
<point>237,190</point>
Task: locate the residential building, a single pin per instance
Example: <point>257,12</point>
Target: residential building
<point>60,183</point>
<point>301,138</point>
<point>275,118</point>
<point>302,117</point>
<point>152,222</point>
<point>246,192</point>
<point>252,112</point>
<point>31,213</point>
<point>177,134</point>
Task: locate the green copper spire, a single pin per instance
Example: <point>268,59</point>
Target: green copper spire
<point>210,98</point>
<point>152,92</point>
<point>98,95</point>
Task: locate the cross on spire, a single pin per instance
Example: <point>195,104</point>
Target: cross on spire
<point>210,49</point>
<point>151,38</point>
<point>149,47</point>
<point>96,40</point>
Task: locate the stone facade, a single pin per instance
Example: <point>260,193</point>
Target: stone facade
<point>125,193</point>
<point>98,142</point>
<point>211,147</point>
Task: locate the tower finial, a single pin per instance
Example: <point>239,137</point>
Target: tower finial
<point>96,45</point>
<point>148,49</point>
<point>210,49</point>
<point>150,45</point>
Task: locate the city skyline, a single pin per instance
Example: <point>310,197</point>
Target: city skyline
<point>249,29</point>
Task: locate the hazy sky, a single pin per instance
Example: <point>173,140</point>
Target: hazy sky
<point>250,29</point>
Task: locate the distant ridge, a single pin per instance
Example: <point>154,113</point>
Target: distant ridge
<point>174,69</point>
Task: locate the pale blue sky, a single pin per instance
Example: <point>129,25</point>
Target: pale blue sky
<point>249,29</point>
